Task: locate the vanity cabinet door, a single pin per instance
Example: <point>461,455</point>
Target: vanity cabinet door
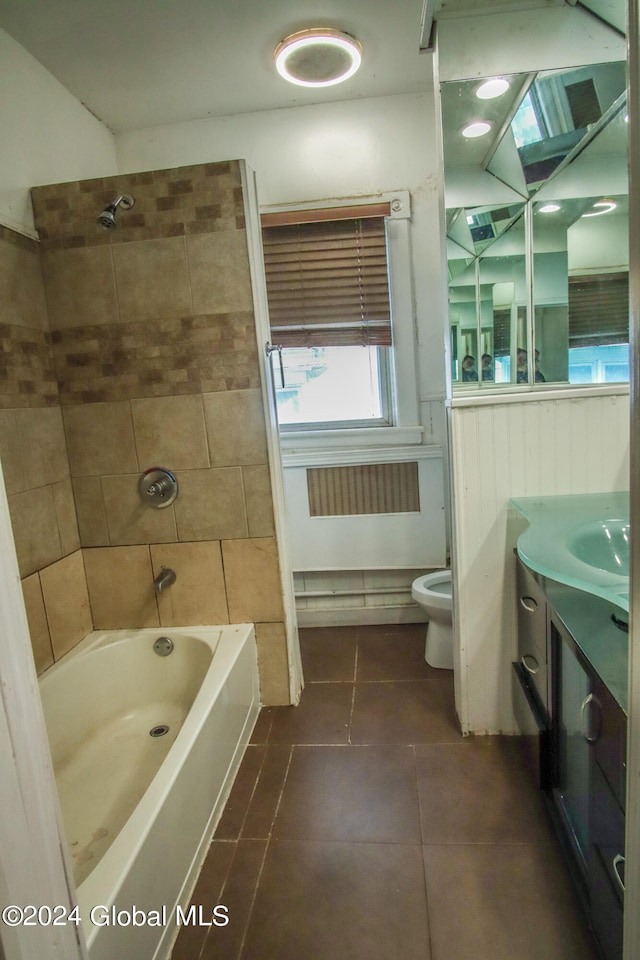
<point>611,745</point>
<point>575,727</point>
<point>606,865</point>
<point>532,633</point>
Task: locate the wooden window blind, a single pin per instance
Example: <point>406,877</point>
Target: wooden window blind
<point>598,309</point>
<point>501,333</point>
<point>327,277</point>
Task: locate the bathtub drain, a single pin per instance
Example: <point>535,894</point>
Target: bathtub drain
<point>159,731</point>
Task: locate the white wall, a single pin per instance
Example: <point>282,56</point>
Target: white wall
<point>47,135</point>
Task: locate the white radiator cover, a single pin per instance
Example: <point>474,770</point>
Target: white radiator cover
<point>368,541</point>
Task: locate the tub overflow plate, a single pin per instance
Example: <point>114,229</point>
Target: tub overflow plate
<point>163,646</point>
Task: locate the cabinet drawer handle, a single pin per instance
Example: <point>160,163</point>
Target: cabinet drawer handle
<point>588,701</point>
<point>529,604</point>
<point>530,663</point>
<point>618,861</point>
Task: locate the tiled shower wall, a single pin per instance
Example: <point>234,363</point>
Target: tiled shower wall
<point>153,337</point>
<point>34,459</point>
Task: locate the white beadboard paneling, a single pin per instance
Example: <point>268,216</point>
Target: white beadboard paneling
<point>501,450</point>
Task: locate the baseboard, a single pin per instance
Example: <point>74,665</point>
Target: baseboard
<point>357,616</point>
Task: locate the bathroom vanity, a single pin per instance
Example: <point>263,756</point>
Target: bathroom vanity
<point>570,688</point>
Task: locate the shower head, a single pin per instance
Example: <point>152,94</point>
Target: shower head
<point>107,219</point>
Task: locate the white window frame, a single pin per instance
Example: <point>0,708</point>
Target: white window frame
<point>386,419</point>
<point>402,374</point>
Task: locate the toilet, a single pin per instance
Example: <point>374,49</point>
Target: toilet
<point>433,593</point>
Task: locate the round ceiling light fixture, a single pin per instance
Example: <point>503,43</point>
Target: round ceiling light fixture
<point>477,129</point>
<point>318,57</point>
<point>493,88</point>
<point>604,206</point>
<point>549,208</point>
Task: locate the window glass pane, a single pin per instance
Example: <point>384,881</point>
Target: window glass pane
<point>525,124</point>
<point>601,364</point>
<point>329,384</point>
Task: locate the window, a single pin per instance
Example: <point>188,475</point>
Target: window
<point>330,312</point>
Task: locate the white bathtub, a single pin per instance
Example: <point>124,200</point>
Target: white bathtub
<point>140,810</point>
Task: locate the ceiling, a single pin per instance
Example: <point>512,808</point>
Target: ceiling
<point>141,63</point>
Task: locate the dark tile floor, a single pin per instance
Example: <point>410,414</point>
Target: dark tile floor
<point>363,826</point>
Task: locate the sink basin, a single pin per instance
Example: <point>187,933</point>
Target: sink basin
<point>603,544</point>
<point>580,540</point>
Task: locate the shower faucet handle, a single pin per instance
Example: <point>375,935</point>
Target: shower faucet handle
<point>158,487</point>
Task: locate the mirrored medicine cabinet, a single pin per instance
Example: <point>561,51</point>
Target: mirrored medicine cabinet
<point>537,229</point>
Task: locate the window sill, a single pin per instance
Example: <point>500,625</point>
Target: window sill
<point>364,438</point>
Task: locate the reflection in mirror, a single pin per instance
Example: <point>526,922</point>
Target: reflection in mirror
<point>558,110</point>
<point>557,161</point>
<point>503,280</point>
<point>581,288</point>
<point>487,309</point>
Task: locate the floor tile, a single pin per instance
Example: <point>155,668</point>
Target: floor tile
<point>263,725</point>
<point>500,902</point>
<point>328,654</point>
<point>363,814</point>
<point>207,894</point>
<point>340,901</point>
<point>350,793</point>
<point>224,943</point>
<point>322,716</point>
<point>235,810</point>
<point>420,711</point>
<point>268,791</point>
<point>396,656</point>
<point>477,791</point>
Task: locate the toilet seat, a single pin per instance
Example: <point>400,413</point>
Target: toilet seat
<point>434,590</point>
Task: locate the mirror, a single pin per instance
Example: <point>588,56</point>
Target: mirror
<point>537,228</point>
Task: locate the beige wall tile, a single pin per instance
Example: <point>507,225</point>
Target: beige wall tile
<point>273,664</point>
<point>10,453</point>
<point>169,431</point>
<point>35,529</point>
<point>210,504</point>
<point>43,446</point>
<point>252,577</point>
<point>257,494</point>
<point>38,626</point>
<point>92,520</point>
<point>120,583</point>
<point>235,427</point>
<point>80,287</point>
<point>100,439</point>
<point>66,600</point>
<point>66,516</point>
<point>198,595</point>
<point>22,299</point>
<point>219,268</point>
<point>129,520</point>
<point>152,278</point>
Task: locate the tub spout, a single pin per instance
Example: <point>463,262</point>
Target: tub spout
<point>164,579</point>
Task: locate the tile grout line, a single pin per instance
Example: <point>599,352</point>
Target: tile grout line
<point>353,695</point>
<point>264,856</point>
<point>284,781</point>
<point>424,859</point>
